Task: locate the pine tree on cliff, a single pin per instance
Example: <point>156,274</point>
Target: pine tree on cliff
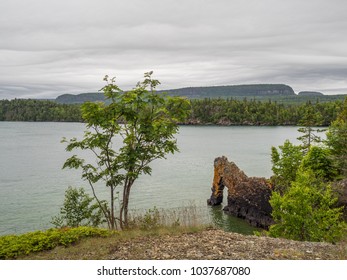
<point>310,118</point>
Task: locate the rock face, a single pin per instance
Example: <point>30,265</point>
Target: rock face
<point>248,197</point>
<point>234,90</point>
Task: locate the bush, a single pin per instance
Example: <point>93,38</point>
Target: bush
<point>13,246</point>
<point>150,220</point>
<point>306,211</point>
<point>78,210</point>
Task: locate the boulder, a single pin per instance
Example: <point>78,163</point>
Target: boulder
<point>248,197</point>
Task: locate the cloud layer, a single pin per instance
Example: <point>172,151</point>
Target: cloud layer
<point>49,48</point>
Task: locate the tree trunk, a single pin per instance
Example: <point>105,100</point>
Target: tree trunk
<point>112,222</point>
<point>104,210</point>
<point>123,214</point>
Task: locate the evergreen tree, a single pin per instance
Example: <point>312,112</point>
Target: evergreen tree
<point>310,118</point>
<point>337,140</point>
<point>319,161</point>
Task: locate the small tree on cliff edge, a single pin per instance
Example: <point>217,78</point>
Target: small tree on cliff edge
<point>310,118</point>
<point>141,124</point>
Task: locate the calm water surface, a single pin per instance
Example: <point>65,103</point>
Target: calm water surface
<point>32,182</point>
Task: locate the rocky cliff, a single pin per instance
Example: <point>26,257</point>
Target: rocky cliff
<point>268,90</point>
<point>253,90</point>
<point>248,197</point>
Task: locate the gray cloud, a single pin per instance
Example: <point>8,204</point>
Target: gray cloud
<point>52,47</point>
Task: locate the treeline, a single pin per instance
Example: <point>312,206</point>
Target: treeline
<point>255,112</point>
<point>204,111</point>
<point>38,111</point>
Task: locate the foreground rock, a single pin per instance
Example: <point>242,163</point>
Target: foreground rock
<point>248,197</point>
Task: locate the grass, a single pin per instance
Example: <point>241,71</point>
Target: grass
<point>187,216</point>
<point>65,243</point>
<point>97,248</point>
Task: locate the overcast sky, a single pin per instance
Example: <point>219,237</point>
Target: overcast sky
<point>52,47</point>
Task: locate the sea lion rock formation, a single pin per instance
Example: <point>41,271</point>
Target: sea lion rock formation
<point>248,197</point>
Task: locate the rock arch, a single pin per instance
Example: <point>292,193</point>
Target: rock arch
<point>248,197</point>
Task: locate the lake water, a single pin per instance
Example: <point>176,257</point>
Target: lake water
<point>32,182</point>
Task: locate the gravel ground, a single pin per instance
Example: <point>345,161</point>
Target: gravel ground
<point>220,245</point>
<point>211,244</point>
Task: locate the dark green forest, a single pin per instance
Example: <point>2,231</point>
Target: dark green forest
<point>206,111</point>
<point>38,111</point>
<point>256,112</point>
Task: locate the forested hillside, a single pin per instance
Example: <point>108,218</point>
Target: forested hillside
<point>278,93</point>
<point>253,112</point>
<point>232,91</point>
<point>80,98</point>
<point>38,110</point>
<point>205,111</point>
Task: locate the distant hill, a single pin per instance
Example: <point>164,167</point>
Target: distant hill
<point>236,90</point>
<point>80,98</point>
<point>262,92</point>
<point>310,93</point>
<point>256,90</point>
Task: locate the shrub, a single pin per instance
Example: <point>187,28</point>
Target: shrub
<point>306,211</point>
<point>78,210</point>
<point>13,246</point>
<point>149,220</point>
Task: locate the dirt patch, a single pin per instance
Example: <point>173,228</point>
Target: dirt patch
<point>220,245</point>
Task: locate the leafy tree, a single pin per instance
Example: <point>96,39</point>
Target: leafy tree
<point>306,211</point>
<point>78,210</point>
<point>125,135</point>
<point>285,162</point>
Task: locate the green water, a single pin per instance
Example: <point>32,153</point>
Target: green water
<point>32,182</point>
<point>228,222</point>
